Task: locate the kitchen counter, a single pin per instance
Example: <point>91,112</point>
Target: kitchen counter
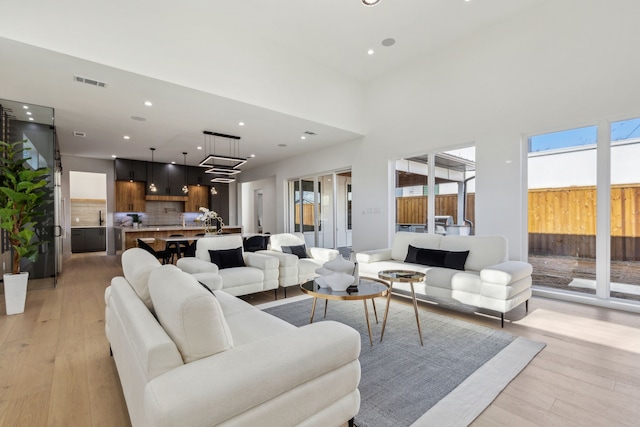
<point>126,237</point>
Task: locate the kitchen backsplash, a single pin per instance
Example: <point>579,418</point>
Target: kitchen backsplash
<point>161,213</point>
<point>87,212</point>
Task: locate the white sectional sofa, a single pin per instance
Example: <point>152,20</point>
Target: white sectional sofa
<point>187,356</point>
<point>488,279</point>
<point>257,273</point>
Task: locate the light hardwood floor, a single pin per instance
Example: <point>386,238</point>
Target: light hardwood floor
<point>55,368</point>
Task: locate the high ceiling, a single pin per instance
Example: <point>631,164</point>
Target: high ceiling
<point>282,67</point>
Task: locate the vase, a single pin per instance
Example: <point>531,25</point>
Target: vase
<point>339,264</point>
<point>338,281</point>
<point>15,292</point>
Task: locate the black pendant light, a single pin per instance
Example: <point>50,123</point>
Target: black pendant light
<point>185,187</point>
<point>152,186</point>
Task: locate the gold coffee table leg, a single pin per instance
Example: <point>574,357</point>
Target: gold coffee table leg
<point>313,309</point>
<point>375,312</point>
<point>366,314</point>
<point>415,309</point>
<point>386,311</point>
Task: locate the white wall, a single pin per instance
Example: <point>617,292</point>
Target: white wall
<point>87,185</point>
<point>336,157</point>
<point>563,64</point>
<point>247,212</point>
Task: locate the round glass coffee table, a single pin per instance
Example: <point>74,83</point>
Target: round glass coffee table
<point>406,276</point>
<point>368,288</point>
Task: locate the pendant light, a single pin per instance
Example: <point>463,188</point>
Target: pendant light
<point>185,187</point>
<point>213,191</point>
<point>152,186</point>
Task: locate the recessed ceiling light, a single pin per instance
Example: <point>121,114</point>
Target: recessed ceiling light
<point>370,2</point>
<point>29,113</point>
<point>126,137</point>
<point>26,107</point>
<point>303,137</point>
<point>173,163</point>
<point>114,156</point>
<point>252,156</point>
<point>370,52</point>
<point>240,123</point>
<point>31,118</point>
<point>148,103</point>
<point>199,148</point>
<point>388,42</point>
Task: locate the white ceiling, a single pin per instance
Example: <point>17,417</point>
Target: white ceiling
<point>283,67</point>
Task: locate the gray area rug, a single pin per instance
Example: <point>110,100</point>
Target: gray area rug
<point>404,383</point>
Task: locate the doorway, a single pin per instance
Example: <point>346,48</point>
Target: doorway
<point>88,205</point>
<point>320,208</point>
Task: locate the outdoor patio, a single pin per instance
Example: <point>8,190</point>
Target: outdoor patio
<point>557,272</point>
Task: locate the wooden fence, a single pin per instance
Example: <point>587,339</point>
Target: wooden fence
<point>413,210</point>
<point>561,221</point>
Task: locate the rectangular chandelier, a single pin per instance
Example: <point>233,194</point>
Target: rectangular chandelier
<point>219,170</point>
<point>223,179</point>
<point>220,163</point>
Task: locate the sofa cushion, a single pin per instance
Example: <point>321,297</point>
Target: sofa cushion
<point>137,264</point>
<point>430,257</point>
<point>277,241</point>
<point>403,239</point>
<point>483,250</point>
<point>300,250</point>
<point>455,260</point>
<point>227,258</point>
<point>189,314</point>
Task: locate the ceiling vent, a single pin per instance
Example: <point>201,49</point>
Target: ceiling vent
<point>92,82</point>
<point>308,132</point>
<point>80,134</point>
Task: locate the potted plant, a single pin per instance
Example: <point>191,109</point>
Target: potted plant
<point>22,194</point>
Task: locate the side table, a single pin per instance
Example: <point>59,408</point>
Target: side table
<point>406,276</point>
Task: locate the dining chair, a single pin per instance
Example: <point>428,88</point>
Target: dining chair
<point>161,255</point>
<point>176,249</point>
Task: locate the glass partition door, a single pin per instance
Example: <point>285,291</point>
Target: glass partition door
<point>320,208</point>
<point>33,124</point>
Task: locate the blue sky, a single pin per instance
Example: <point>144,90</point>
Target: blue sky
<point>625,129</point>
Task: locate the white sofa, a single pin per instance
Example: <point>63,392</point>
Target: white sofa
<point>260,272</point>
<point>206,360</point>
<point>489,279</point>
<point>292,269</point>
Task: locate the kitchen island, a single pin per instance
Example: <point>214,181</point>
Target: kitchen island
<point>126,237</point>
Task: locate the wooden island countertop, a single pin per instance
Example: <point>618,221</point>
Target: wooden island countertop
<point>129,235</point>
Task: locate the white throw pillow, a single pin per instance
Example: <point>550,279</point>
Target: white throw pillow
<point>189,314</point>
<point>137,264</point>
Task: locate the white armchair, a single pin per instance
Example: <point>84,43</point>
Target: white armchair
<point>293,269</point>
<point>241,272</point>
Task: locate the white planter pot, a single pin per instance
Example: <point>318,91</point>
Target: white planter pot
<point>15,292</point>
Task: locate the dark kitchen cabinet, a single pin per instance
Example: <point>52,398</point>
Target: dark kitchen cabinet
<point>89,239</point>
<point>196,176</point>
<point>168,178</point>
<point>131,170</point>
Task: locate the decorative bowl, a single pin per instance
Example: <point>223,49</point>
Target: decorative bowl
<point>338,281</point>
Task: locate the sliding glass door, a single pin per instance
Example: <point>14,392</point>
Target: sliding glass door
<point>435,192</point>
<point>319,207</point>
<point>584,210</point>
